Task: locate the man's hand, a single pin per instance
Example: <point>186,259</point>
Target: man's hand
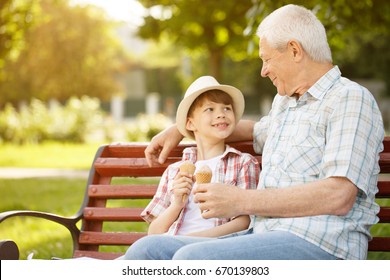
<point>218,200</point>
<point>161,145</point>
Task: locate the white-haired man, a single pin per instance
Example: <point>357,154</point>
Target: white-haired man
<point>320,145</point>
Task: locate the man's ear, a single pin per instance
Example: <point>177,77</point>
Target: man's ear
<point>295,49</point>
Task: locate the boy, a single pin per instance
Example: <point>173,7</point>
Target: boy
<point>208,113</point>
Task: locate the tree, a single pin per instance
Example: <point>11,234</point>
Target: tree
<point>227,28</point>
<point>69,51</point>
<point>15,19</point>
<point>215,27</point>
<point>358,32</point>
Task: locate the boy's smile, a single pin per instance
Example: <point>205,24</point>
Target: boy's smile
<point>212,120</point>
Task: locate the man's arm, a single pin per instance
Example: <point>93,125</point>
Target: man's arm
<point>242,132</point>
<point>162,144</point>
<point>332,196</point>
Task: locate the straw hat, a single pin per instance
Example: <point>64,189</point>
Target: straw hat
<point>200,86</point>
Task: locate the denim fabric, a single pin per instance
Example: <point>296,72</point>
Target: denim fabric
<point>274,245</point>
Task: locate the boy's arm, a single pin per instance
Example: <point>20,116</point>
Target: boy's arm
<point>235,225</point>
<point>163,222</point>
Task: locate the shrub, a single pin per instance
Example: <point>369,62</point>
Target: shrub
<point>36,122</point>
<point>146,126</point>
<point>77,121</point>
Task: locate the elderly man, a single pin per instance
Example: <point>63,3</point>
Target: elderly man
<point>320,144</point>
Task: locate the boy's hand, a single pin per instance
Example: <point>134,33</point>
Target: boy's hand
<point>182,186</point>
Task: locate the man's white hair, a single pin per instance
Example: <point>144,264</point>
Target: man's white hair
<point>292,22</point>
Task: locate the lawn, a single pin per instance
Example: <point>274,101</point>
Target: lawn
<point>43,238</point>
<point>55,195</point>
<point>52,154</point>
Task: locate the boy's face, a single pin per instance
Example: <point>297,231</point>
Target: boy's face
<point>211,120</point>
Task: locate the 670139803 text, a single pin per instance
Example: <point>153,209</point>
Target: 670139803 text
<point>178,271</point>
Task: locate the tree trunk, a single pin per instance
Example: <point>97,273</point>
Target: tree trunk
<point>216,57</point>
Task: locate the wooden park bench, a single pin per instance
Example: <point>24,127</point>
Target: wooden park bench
<point>125,161</point>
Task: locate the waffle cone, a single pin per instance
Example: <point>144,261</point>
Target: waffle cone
<point>188,167</point>
<point>203,177</point>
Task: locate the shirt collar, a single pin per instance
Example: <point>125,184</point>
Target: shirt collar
<point>321,87</point>
<point>190,153</point>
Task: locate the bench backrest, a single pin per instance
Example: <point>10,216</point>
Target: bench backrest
<point>112,206</point>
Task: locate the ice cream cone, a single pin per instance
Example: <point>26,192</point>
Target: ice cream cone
<point>203,175</point>
<point>188,167</point>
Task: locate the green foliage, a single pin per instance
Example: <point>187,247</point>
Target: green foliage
<point>15,20</point>
<point>145,127</point>
<point>358,32</point>
<point>77,121</point>
<point>67,51</point>
<point>36,123</point>
<point>214,27</point>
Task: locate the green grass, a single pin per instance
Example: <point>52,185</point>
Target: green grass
<point>33,235</point>
<point>55,195</point>
<point>52,154</point>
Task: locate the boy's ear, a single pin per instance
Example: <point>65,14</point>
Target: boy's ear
<point>189,125</point>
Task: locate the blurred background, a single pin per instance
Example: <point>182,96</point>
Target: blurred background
<point>75,74</point>
<point>90,70</point>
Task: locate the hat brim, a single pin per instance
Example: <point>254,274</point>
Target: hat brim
<point>185,104</point>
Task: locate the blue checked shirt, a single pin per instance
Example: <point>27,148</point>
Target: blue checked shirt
<point>334,129</point>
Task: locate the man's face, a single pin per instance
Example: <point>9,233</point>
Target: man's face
<point>278,67</point>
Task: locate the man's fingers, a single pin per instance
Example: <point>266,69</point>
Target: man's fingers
<point>207,214</point>
<point>151,154</point>
<point>164,154</point>
<point>199,194</point>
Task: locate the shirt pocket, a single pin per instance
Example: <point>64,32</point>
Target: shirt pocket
<point>305,152</point>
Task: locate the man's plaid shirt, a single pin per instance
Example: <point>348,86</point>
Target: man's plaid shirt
<point>334,130</point>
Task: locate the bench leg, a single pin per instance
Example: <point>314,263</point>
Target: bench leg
<point>9,250</point>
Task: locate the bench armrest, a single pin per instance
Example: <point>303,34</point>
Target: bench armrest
<point>68,222</point>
